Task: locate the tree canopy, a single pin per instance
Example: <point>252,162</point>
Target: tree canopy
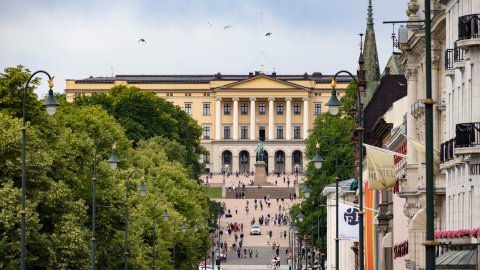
<point>143,115</point>
<point>60,153</point>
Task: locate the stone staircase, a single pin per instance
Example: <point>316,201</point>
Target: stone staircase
<point>259,193</point>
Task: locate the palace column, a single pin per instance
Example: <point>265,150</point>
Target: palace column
<point>411,74</point>
<point>305,118</point>
<point>235,118</point>
<point>270,118</point>
<point>252,119</point>
<point>218,119</point>
<point>288,123</point>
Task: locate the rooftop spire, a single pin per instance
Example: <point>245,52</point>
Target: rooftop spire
<point>370,15</point>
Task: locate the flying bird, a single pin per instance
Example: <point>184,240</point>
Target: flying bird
<point>142,40</point>
<point>228,26</point>
<point>268,34</point>
<point>209,23</point>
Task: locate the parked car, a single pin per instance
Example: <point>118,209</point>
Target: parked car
<point>255,229</point>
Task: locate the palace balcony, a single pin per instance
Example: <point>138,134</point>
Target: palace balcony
<point>466,141</point>
<point>468,31</point>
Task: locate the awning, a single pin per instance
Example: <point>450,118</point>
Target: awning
<point>457,259</point>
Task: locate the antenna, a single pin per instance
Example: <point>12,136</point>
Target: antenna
<point>262,52</point>
<point>111,69</point>
<point>361,42</point>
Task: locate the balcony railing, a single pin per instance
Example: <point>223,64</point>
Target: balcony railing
<point>448,59</point>
<point>468,26</point>
<point>467,135</point>
<point>446,151</point>
<point>458,53</point>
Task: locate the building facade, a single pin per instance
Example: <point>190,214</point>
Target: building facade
<point>238,111</point>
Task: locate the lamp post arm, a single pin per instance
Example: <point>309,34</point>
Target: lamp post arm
<point>97,146</point>
<point>24,170</point>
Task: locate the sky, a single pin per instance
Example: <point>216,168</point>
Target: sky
<point>75,39</point>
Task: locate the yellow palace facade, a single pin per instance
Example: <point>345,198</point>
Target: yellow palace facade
<point>237,111</point>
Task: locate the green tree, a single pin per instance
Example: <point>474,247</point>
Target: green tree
<point>144,115</point>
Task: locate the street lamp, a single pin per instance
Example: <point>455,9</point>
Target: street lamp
<point>195,229</point>
<point>318,161</point>
<point>113,162</point>
<point>204,244</point>
<point>51,106</point>
<point>166,216</point>
<point>142,190</point>
<point>154,257</point>
<point>184,229</point>
<point>334,106</point>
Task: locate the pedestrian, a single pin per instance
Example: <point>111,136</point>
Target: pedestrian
<point>241,227</point>
<point>285,234</point>
<point>236,210</point>
<point>288,183</point>
<point>250,253</point>
<point>238,253</point>
<point>256,253</point>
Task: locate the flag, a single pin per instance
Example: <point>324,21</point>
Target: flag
<point>381,168</point>
<point>348,221</point>
<point>420,147</point>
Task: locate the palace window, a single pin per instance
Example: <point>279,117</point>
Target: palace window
<point>188,108</point>
<point>226,132</point>
<point>317,108</point>
<point>261,109</point>
<point>244,132</point>
<point>206,132</point>
<point>206,108</point>
<point>279,108</point>
<point>226,109</point>
<point>169,94</point>
<point>206,158</point>
<point>296,132</point>
<point>244,108</point>
<point>296,108</point>
<point>280,132</point>
<point>188,94</point>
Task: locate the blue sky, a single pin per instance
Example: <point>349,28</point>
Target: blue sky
<point>75,39</point>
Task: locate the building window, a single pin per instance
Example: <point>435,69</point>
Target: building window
<point>280,132</point>
<point>169,94</point>
<point>317,108</point>
<point>226,132</point>
<point>206,94</point>
<point>188,108</point>
<point>279,108</point>
<point>296,108</point>
<point>206,108</point>
<point>188,94</point>
<point>244,108</point>
<point>206,132</point>
<point>244,132</point>
<point>296,132</point>
<point>206,158</point>
<point>226,109</point>
<point>261,109</point>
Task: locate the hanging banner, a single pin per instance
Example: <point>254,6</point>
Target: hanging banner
<point>381,169</point>
<point>348,221</point>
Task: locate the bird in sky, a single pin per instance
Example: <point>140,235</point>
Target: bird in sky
<point>209,23</point>
<point>268,34</point>
<point>142,40</point>
<point>227,26</point>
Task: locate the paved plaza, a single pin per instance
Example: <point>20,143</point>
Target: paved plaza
<point>261,245</point>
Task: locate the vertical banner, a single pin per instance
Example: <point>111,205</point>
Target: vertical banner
<point>371,243</point>
<point>348,222</point>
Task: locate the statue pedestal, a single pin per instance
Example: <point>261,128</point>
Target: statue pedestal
<point>260,174</point>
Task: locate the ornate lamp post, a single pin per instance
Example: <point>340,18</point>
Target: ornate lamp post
<point>195,229</point>
<point>113,161</point>
<point>142,190</point>
<point>300,218</point>
<point>318,162</point>
<point>154,239</point>
<point>51,107</point>
<point>334,108</point>
<point>166,217</point>
<point>184,229</point>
